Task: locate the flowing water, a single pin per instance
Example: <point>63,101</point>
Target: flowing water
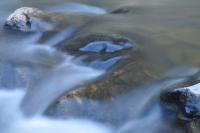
<point>34,76</point>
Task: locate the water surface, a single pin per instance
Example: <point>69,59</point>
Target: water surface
<point>33,76</point>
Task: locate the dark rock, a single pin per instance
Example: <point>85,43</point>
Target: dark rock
<point>185,101</point>
<point>126,10</point>
<point>195,126</point>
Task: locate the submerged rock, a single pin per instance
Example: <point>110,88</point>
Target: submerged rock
<point>100,43</point>
<point>96,46</point>
<point>185,101</point>
<point>107,64</point>
<point>106,46</point>
<point>130,68</point>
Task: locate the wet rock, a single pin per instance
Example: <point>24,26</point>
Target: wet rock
<point>185,101</point>
<point>65,109</point>
<point>29,19</point>
<point>80,107</point>
<point>195,126</point>
<point>23,19</point>
<point>132,70</point>
<point>112,111</point>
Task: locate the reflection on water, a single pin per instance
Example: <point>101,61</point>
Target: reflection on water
<point>166,34</point>
<point>76,8</point>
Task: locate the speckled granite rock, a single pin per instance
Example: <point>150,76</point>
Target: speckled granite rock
<point>23,19</point>
<point>29,19</point>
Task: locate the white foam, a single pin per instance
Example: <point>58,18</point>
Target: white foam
<point>12,120</point>
<point>194,89</point>
<point>55,82</point>
<point>44,125</point>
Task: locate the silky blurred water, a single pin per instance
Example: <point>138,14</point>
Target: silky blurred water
<point>33,76</point>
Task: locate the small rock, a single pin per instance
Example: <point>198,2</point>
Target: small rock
<point>29,19</point>
<point>23,19</point>
<point>126,10</point>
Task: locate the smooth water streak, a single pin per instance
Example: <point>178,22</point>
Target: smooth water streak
<point>12,119</point>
